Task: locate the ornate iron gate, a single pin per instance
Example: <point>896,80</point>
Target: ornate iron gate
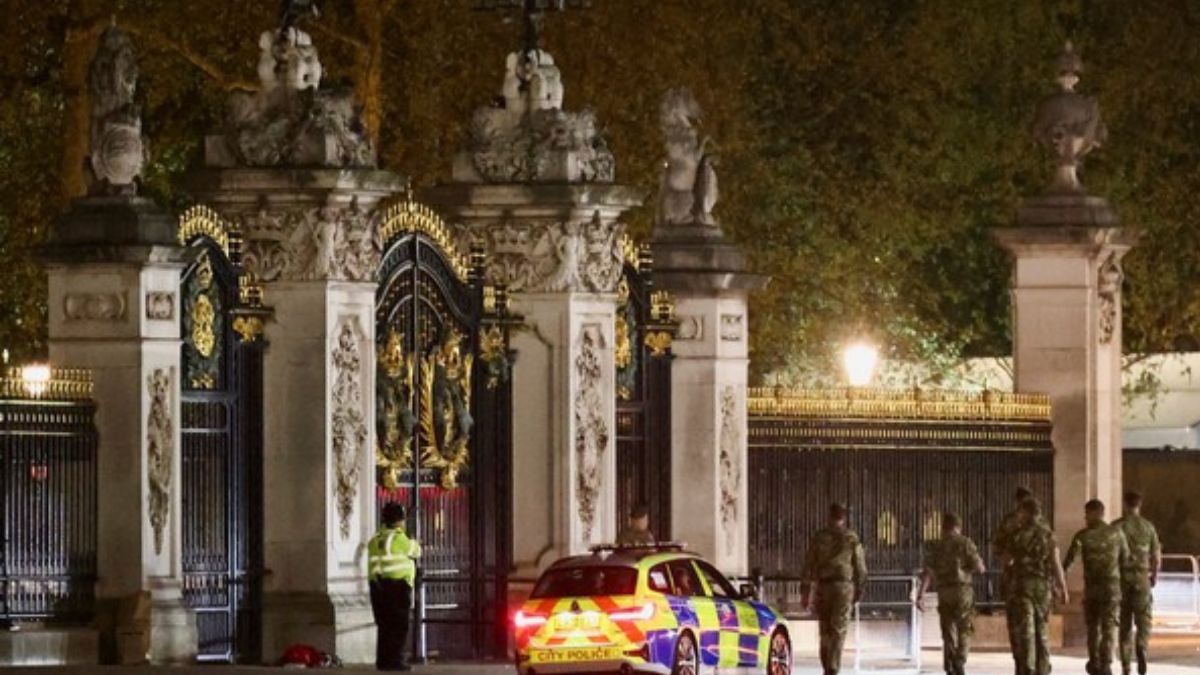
<point>443,411</point>
<point>644,331</point>
<point>222,442</point>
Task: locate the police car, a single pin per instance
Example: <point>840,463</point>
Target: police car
<point>651,609</point>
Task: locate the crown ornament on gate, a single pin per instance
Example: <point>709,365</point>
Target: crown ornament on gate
<point>1069,124</point>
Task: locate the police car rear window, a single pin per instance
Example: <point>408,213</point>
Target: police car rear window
<point>586,581</point>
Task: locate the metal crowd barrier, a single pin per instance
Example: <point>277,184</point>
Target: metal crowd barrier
<point>1177,594</point>
<point>892,605</point>
<point>888,598</point>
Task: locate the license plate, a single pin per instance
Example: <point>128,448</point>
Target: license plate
<point>571,621</point>
<point>575,655</point>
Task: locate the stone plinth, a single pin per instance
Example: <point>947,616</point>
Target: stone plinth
<point>309,240</point>
<point>707,275</point>
<point>114,276</point>
<point>1066,294</point>
<point>557,248</point>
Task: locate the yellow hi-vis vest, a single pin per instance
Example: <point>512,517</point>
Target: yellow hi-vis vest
<point>392,555</point>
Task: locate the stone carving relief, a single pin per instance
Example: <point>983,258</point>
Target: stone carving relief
<point>1069,124</point>
<point>730,478</point>
<point>160,451</point>
<point>554,257</point>
<point>160,305</point>
<point>591,424</point>
<point>290,120</point>
<point>349,417</point>
<point>732,327</point>
<point>690,328</point>
<point>117,152</point>
<point>330,243</point>
<point>94,306</point>
<point>1109,285</point>
<point>527,136</point>
<point>689,182</point>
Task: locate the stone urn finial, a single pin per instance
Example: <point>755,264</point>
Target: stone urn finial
<point>1069,124</point>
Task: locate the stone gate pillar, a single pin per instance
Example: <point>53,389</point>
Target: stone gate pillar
<point>114,275</point>
<point>707,275</point>
<point>294,176</point>
<point>536,189</point>
<point>1067,248</point>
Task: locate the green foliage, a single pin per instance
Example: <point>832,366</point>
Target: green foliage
<point>866,147</point>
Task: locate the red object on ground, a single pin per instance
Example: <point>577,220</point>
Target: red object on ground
<point>303,655</point>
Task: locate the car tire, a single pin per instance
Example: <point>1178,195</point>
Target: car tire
<point>779,654</point>
<point>687,657</point>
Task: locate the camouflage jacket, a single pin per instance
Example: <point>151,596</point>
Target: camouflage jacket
<point>1007,528</point>
<point>1143,545</point>
<point>1104,551</point>
<point>835,554</point>
<point>952,560</point>
<point>634,537</point>
<point>1031,550</point>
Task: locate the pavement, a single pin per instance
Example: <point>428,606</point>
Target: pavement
<point>1171,658</point>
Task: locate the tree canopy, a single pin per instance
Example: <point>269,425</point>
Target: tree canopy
<point>866,147</point>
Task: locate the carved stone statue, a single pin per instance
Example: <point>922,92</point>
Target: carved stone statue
<point>117,151</point>
<point>290,120</point>
<point>689,182</point>
<point>525,135</point>
<point>1069,124</point>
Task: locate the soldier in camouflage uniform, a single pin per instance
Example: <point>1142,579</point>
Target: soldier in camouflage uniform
<point>1004,531</point>
<point>1137,581</point>
<point>1035,572</point>
<point>835,576</point>
<point>952,562</point>
<point>1104,552</point>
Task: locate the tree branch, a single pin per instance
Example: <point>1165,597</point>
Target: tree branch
<point>338,35</point>
<point>184,51</point>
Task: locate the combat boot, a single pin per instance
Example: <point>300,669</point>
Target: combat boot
<point>1141,659</point>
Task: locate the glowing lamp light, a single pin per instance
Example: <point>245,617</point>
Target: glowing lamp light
<point>859,360</point>
<point>35,378</point>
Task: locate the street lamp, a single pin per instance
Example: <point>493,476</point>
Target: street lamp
<point>859,359</point>
<point>35,378</point>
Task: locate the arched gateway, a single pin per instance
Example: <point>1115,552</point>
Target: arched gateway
<point>442,422</point>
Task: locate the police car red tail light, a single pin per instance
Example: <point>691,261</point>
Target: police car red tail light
<point>523,620</point>
<point>643,613</point>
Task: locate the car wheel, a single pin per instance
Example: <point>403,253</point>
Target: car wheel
<point>687,659</point>
<point>779,657</point>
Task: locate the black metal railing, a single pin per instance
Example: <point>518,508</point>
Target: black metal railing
<point>48,499</point>
<point>898,460</point>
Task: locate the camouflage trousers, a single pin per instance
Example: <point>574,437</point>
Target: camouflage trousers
<point>834,601</point>
<point>1137,610</point>
<point>956,612</point>
<point>1100,607</point>
<point>1027,610</point>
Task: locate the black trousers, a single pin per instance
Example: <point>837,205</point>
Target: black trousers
<point>391,602</point>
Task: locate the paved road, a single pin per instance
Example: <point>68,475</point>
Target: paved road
<point>1179,659</point>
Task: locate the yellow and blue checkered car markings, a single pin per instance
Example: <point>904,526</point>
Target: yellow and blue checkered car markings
<point>608,630</point>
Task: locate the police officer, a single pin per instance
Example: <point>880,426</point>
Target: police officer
<point>1035,571</point>
<point>1137,581</point>
<point>952,562</point>
<point>391,558</point>
<point>835,576</point>
<point>637,533</point>
<point>1104,552</point>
